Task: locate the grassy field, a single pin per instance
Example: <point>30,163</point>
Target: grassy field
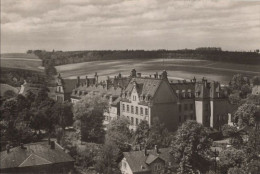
<point>176,68</point>
<point>21,61</point>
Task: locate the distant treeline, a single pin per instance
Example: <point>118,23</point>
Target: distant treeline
<point>203,53</point>
<point>16,77</point>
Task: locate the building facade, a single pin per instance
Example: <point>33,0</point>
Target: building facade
<point>146,98</point>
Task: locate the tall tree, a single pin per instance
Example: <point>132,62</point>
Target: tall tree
<point>246,115</point>
<point>88,113</point>
<point>118,132</point>
<point>191,148</point>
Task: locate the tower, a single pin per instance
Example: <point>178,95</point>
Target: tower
<point>202,102</point>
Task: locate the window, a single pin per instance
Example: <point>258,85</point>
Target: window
<point>157,167</point>
<point>185,107</point>
<point>132,109</point>
<point>136,121</point>
<point>136,110</point>
<point>123,107</point>
<point>191,106</point>
<point>141,111</point>
<point>179,118</point>
<point>180,108</point>
<point>134,98</point>
<point>146,111</point>
<point>132,120</point>
<point>127,108</point>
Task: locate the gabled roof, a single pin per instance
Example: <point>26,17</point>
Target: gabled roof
<point>138,162</point>
<point>144,86</point>
<point>34,154</point>
<point>183,86</point>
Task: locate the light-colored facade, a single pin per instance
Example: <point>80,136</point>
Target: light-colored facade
<point>147,98</point>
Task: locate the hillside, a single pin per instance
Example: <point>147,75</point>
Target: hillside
<point>70,57</point>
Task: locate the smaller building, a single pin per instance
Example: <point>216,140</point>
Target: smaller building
<point>37,157</point>
<point>148,162</point>
<point>256,90</point>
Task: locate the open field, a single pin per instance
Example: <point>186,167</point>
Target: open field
<point>176,68</point>
<point>21,61</point>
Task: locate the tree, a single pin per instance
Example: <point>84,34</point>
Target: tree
<point>230,158</point>
<point>9,94</point>
<point>158,135</point>
<point>88,113</point>
<point>63,112</point>
<point>191,148</point>
<point>107,161</point>
<point>246,115</point>
<point>142,133</point>
<point>256,80</point>
<point>238,81</point>
<point>236,170</point>
<point>118,132</point>
<point>232,132</point>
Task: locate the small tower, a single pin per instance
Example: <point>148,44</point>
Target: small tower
<point>202,102</point>
<point>133,73</point>
<point>164,75</point>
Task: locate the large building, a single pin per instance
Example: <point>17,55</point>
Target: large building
<point>173,103</point>
<point>36,158</point>
<point>111,89</point>
<point>146,98</point>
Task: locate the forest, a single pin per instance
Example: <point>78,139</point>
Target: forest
<point>204,53</point>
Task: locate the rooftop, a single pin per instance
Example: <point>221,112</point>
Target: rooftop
<point>33,154</point>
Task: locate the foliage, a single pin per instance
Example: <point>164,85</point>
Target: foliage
<point>9,94</point>
<point>232,132</point>
<point>230,158</point>
<point>256,80</point>
<point>107,161</point>
<point>236,170</point>
<point>88,113</point>
<point>158,135</point>
<point>118,133</point>
<point>63,111</point>
<point>142,133</point>
<point>191,148</point>
<point>246,115</point>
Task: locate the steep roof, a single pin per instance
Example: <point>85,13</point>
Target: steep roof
<point>183,86</point>
<point>35,154</point>
<point>144,86</point>
<point>69,85</point>
<point>136,159</point>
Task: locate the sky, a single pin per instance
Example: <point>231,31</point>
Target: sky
<point>129,24</point>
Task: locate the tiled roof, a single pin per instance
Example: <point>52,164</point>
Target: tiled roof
<point>70,84</point>
<point>35,154</point>
<point>136,159</point>
<point>183,86</point>
<point>144,86</point>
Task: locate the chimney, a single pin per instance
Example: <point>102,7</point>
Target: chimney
<point>96,77</point>
<point>145,151</point>
<point>22,146</point>
<point>8,148</point>
<point>119,75</point>
<point>78,81</point>
<point>164,75</point>
<point>156,149</point>
<point>139,75</point>
<point>156,75</point>
<point>52,145</point>
<point>133,73</point>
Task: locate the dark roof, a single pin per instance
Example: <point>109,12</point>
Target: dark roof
<point>35,154</point>
<point>183,86</point>
<point>136,159</point>
<point>69,85</point>
<point>144,86</point>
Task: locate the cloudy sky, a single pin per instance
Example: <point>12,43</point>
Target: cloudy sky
<point>129,24</point>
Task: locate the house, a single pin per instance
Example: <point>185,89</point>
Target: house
<point>64,87</point>
<point>185,92</point>
<point>37,157</point>
<point>148,162</point>
<point>256,90</point>
<point>28,87</point>
<point>146,98</point>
